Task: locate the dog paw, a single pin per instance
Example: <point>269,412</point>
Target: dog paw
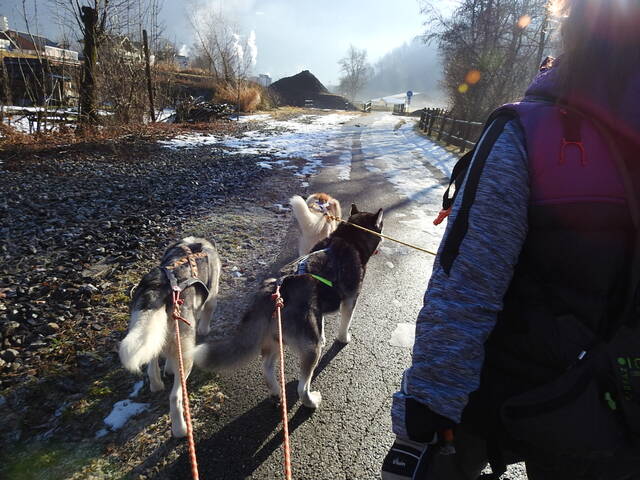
<point>312,400</point>
<point>344,337</point>
<point>179,429</point>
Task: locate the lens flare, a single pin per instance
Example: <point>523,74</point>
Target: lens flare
<point>463,88</point>
<point>472,77</point>
<point>558,8</point>
<point>524,21</point>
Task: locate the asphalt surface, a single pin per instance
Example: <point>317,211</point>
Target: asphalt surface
<point>349,435</point>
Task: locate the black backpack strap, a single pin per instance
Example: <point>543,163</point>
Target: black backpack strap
<point>474,162</point>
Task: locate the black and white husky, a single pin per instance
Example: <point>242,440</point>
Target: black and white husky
<point>195,265</point>
<point>328,279</point>
<point>314,225</point>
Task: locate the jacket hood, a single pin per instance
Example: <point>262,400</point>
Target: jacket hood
<point>623,118</point>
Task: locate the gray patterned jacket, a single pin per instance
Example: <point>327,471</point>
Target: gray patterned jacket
<point>460,309</point>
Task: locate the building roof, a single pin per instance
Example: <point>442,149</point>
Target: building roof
<point>26,41</point>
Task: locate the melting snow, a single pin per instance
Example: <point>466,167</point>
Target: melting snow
<point>122,412</point>
<point>404,335</point>
<point>136,389</point>
<point>313,138</point>
<point>399,153</point>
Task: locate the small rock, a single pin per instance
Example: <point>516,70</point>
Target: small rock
<point>84,360</point>
<point>2,364</point>
<point>51,327</point>
<point>90,288</point>
<point>9,354</point>
<point>10,327</point>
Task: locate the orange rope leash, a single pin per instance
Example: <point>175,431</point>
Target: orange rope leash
<point>177,301</point>
<point>283,395</point>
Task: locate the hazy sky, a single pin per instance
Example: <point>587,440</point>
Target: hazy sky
<point>291,35</point>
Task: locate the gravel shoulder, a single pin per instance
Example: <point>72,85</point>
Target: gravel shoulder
<point>79,229</point>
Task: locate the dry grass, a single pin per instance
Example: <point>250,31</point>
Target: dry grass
<point>15,145</point>
<point>248,96</point>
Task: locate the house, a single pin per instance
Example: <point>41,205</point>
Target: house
<point>35,69</point>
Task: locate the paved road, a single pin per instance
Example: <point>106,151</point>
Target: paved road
<point>349,435</point>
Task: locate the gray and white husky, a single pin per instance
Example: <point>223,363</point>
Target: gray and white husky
<point>151,328</point>
<point>328,279</point>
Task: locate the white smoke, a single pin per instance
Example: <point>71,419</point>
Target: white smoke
<point>184,51</point>
<point>238,47</point>
<point>253,48</point>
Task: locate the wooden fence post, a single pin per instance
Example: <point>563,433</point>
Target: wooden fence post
<point>465,138</point>
<point>451,131</point>
<point>443,123</point>
<point>432,119</point>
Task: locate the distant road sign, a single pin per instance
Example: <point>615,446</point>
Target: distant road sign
<point>409,95</point>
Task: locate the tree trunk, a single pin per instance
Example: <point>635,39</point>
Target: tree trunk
<point>147,63</point>
<point>88,112</point>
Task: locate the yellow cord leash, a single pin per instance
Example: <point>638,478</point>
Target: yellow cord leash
<point>381,235</point>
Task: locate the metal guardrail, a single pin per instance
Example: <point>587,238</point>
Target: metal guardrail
<point>439,123</point>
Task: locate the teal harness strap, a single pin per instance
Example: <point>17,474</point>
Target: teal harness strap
<point>329,283</point>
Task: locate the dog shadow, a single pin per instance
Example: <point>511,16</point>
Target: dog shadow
<point>239,448</point>
<point>236,450</point>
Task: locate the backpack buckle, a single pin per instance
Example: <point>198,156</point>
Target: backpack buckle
<point>444,213</point>
<point>565,144</point>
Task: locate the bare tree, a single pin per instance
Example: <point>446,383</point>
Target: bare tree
<point>356,71</point>
<point>113,69</point>
<point>219,44</point>
<point>490,50</point>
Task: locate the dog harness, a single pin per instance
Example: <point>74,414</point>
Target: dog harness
<point>189,258</point>
<point>302,267</point>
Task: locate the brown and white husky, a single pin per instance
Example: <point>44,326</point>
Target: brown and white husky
<point>314,224</point>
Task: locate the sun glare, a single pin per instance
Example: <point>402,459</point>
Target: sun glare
<point>524,21</point>
<point>472,77</point>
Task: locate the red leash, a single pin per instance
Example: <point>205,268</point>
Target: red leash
<point>283,396</point>
<point>177,301</point>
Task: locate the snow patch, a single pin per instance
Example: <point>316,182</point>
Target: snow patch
<point>136,389</point>
<point>404,335</point>
<point>122,412</point>
<point>309,137</point>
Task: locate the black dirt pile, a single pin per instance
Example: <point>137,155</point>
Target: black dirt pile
<point>295,90</point>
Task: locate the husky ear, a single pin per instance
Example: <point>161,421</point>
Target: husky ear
<point>354,209</point>
<point>379,219</point>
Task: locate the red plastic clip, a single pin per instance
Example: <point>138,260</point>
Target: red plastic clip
<point>442,215</point>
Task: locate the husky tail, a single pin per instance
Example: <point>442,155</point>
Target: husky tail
<point>238,347</point>
<point>308,221</point>
<point>145,339</point>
